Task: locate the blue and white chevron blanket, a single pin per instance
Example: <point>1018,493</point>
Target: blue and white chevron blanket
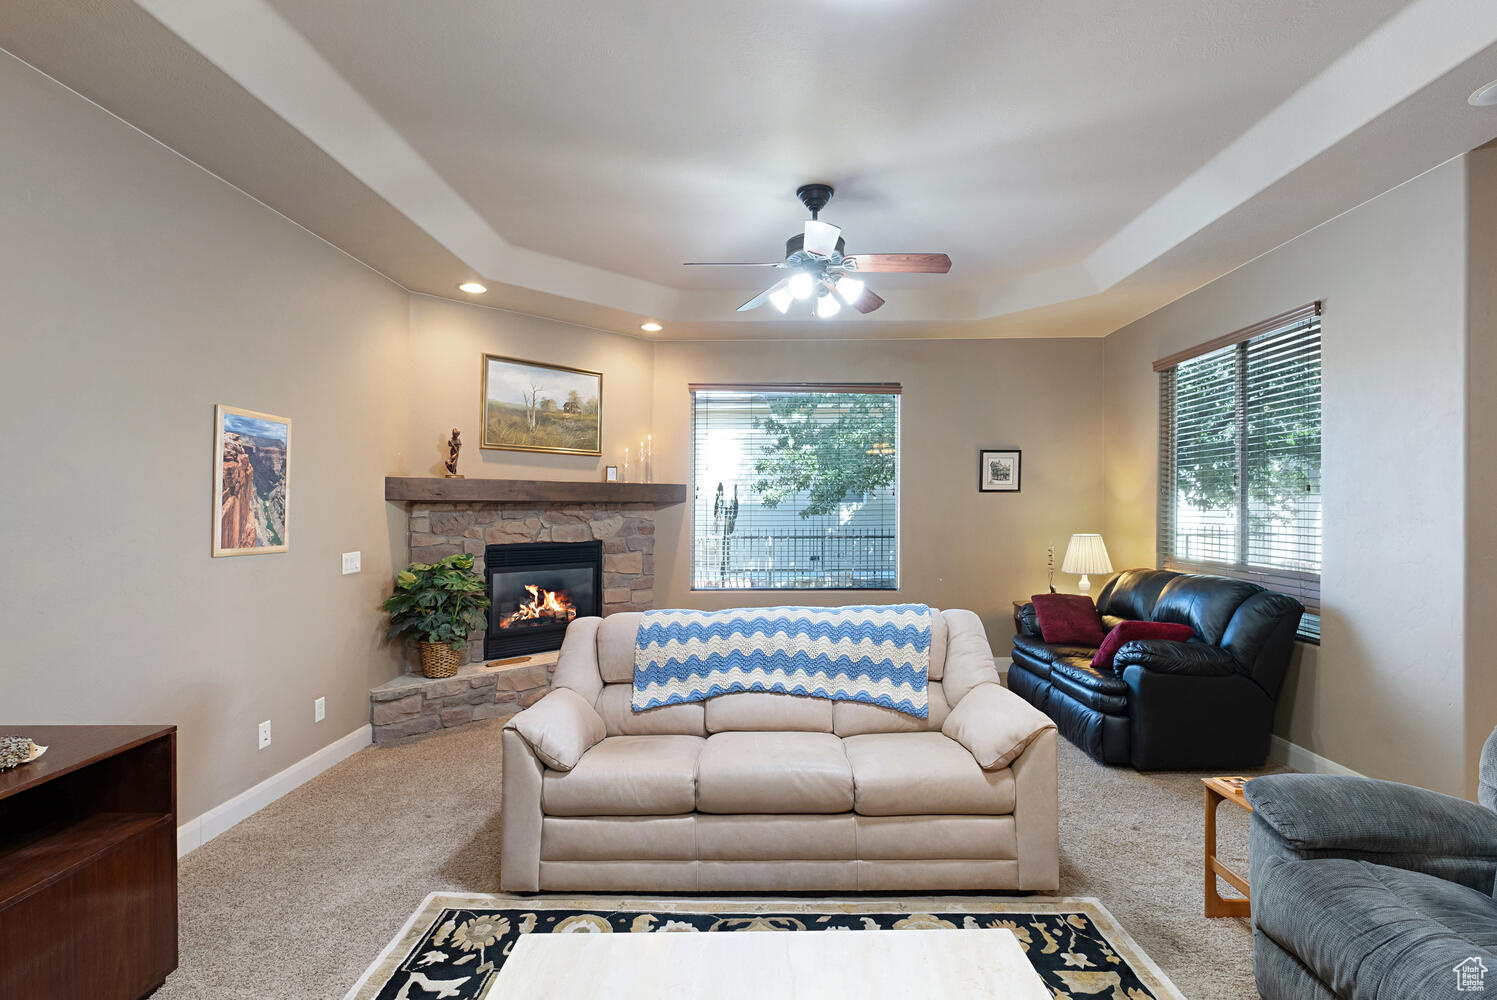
<point>878,654</point>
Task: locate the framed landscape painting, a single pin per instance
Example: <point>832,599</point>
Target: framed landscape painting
<point>529,406</point>
<point>998,471</point>
<point>250,452</point>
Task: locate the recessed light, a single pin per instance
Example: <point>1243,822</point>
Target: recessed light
<point>472,288</point>
<point>650,327</point>
<point>1485,97</point>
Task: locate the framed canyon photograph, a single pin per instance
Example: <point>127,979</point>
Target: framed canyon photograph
<point>998,470</point>
<point>530,406</point>
<point>250,454</point>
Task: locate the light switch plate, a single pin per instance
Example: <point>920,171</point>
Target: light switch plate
<point>351,562</point>
<point>264,734</point>
<point>319,710</point>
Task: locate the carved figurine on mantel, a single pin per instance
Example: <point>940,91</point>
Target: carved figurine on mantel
<point>454,445</point>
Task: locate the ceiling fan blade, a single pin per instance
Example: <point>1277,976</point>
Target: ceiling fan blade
<point>763,297</point>
<point>821,238</point>
<point>912,263</point>
<point>732,263</point>
<point>867,302</point>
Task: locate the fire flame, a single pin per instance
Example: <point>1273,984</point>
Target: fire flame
<point>543,605</point>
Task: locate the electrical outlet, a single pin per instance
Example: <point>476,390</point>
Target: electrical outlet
<point>264,734</point>
<point>319,710</point>
<point>351,562</point>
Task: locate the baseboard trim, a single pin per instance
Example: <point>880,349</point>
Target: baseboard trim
<point>1281,751</point>
<point>198,831</point>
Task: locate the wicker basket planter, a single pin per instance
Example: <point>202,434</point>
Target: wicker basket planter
<point>438,659</point>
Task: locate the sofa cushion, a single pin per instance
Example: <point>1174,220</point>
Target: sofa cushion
<point>1133,593</point>
<point>616,647</point>
<point>1370,932</point>
<point>909,774</point>
<point>1098,689</point>
<point>1068,619</point>
<point>768,711</point>
<point>620,718</point>
<point>774,773</point>
<point>1205,603</point>
<point>1042,652</point>
<point>627,776</point>
<point>854,718</point>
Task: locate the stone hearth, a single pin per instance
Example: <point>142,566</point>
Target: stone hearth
<point>411,704</point>
<point>627,532</point>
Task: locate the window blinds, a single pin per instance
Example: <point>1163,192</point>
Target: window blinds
<point>795,487</point>
<point>1239,463</point>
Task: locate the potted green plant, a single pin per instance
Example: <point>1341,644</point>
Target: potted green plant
<point>438,605</point>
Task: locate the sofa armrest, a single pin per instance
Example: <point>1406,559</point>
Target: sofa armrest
<point>1029,621</point>
<point>969,658</point>
<point>1165,656</point>
<point>995,725</point>
<point>520,815</point>
<point>560,728</point>
<point>1403,826</point>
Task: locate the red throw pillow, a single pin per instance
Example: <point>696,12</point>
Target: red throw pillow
<point>1068,619</point>
<point>1128,631</point>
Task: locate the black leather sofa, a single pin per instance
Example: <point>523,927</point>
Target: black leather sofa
<point>1203,704</point>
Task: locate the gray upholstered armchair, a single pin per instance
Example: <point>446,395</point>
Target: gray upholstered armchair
<point>1372,890</point>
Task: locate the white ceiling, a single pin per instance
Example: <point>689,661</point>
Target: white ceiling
<point>1082,163</point>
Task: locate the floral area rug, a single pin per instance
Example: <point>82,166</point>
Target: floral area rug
<point>454,945</point>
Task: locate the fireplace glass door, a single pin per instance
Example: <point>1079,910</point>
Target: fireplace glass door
<point>536,590</point>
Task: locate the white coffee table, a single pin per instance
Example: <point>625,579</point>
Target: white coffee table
<point>770,965</point>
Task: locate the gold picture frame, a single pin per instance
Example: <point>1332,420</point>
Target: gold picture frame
<point>251,482</point>
<point>534,406</point>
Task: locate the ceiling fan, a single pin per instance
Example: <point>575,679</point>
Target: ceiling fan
<point>820,271</point>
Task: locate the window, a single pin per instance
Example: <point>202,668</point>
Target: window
<point>1239,459</point>
<point>795,487</point>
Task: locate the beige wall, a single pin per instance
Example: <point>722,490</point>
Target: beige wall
<point>136,291</point>
<point>1384,695</point>
<point>958,548</point>
<point>448,339</point>
<point>1481,450</point>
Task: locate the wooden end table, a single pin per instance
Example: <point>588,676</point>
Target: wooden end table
<point>1217,790</point>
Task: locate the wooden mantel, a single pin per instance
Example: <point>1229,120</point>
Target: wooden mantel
<point>433,489</point>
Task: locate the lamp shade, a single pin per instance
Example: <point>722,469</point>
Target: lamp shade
<point>1085,555</point>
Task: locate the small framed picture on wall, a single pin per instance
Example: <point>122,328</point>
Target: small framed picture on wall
<point>998,470</point>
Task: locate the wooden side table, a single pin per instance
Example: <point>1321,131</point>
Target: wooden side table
<point>88,863</point>
<point>1218,789</point>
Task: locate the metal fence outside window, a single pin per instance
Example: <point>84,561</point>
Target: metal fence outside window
<point>790,560</point>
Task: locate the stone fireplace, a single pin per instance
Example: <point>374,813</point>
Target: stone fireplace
<point>624,533</point>
<point>586,548</point>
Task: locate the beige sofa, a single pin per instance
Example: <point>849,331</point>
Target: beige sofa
<point>763,792</point>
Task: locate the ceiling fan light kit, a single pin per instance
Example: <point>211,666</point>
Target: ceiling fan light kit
<point>819,266</point>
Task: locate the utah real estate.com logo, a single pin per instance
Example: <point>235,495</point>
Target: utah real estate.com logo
<point>1470,975</point>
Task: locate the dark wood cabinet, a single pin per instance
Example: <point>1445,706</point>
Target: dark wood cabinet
<point>88,864</point>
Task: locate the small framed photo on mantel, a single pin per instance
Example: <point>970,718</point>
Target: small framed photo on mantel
<point>998,470</point>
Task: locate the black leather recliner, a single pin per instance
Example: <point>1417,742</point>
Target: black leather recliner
<point>1203,704</point>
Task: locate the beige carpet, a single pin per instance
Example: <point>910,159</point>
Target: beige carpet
<point>297,900</point>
